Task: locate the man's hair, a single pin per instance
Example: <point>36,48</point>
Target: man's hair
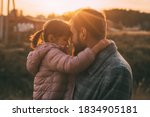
<point>92,20</point>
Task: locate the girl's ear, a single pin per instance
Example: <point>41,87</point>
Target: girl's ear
<point>51,38</point>
<point>83,33</point>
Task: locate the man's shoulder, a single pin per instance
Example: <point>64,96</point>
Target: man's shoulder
<point>113,61</point>
<point>120,62</point>
<point>116,59</point>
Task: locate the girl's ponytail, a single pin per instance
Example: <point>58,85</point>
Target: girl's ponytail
<point>35,38</point>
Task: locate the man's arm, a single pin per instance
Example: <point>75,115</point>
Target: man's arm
<point>117,84</point>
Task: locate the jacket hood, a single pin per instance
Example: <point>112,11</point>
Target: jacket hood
<point>36,56</point>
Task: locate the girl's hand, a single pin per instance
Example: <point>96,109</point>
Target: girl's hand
<point>100,45</point>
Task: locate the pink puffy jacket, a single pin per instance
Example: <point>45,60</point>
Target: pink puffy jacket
<point>52,68</point>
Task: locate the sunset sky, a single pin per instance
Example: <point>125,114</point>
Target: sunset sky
<point>45,7</point>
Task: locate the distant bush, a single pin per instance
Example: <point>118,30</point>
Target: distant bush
<point>15,81</point>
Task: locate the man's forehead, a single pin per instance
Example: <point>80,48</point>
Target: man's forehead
<point>72,19</point>
<point>71,22</point>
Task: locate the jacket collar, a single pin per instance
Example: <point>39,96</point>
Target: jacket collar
<point>102,57</point>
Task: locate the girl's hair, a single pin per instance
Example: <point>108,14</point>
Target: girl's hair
<point>55,27</point>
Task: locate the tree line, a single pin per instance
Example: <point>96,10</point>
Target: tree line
<point>129,18</point>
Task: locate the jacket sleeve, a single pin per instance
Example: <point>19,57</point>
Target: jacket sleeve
<point>32,66</point>
<point>117,84</point>
<point>60,61</point>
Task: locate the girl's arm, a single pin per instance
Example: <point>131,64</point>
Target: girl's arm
<point>60,61</point>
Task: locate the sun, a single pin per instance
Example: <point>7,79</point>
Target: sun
<point>46,7</point>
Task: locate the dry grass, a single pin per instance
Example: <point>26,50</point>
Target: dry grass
<point>135,47</point>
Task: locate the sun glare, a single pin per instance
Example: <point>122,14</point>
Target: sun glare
<point>45,7</point>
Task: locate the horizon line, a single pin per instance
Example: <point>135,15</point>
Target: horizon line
<point>46,14</point>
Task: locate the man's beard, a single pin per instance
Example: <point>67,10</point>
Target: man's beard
<point>78,49</point>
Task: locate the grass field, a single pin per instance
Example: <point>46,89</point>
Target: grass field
<point>135,47</point>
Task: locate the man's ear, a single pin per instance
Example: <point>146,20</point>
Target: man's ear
<point>51,38</point>
<point>83,33</point>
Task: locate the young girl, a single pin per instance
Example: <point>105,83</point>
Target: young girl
<point>51,65</point>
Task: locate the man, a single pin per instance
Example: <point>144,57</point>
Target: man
<point>110,76</point>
